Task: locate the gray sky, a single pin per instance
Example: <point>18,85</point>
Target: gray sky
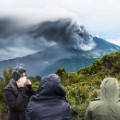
<point>100,18</point>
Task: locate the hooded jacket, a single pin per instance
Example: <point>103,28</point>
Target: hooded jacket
<point>17,98</point>
<point>108,107</point>
<point>50,103</point>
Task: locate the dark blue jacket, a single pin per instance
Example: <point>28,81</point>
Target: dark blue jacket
<point>49,104</point>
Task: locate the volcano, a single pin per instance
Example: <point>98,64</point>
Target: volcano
<point>47,61</point>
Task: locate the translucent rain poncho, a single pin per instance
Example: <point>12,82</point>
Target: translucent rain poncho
<point>108,107</point>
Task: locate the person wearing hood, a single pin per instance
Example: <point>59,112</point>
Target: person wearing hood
<point>17,94</point>
<point>108,106</point>
<point>50,103</point>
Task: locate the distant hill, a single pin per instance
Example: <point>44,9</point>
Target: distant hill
<point>109,65</point>
<point>105,45</point>
<point>70,64</point>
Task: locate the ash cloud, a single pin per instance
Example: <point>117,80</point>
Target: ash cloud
<point>66,32</point>
<point>18,39</point>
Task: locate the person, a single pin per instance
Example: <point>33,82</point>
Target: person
<point>50,103</point>
<point>108,105</point>
<point>17,94</point>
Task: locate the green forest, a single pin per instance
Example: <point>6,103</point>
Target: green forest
<point>81,87</point>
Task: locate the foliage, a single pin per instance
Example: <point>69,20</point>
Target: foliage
<point>63,74</point>
<point>35,85</point>
<point>7,75</point>
<point>84,85</point>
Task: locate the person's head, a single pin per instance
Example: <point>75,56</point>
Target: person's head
<point>18,72</point>
<point>109,90</point>
<point>51,78</point>
<point>50,85</point>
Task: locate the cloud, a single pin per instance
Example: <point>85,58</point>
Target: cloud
<point>100,17</point>
<point>67,32</point>
<point>20,45</point>
<point>13,52</point>
<point>115,41</point>
<point>97,35</point>
<point>114,38</point>
<point>47,26</point>
<point>45,62</point>
<point>39,14</point>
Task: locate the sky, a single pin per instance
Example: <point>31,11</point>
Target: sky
<point>100,18</point>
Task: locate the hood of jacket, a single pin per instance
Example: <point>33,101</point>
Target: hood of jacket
<point>50,86</point>
<point>109,90</point>
<point>17,73</point>
<point>15,76</point>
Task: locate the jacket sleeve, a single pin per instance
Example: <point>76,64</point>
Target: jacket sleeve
<point>15,102</point>
<point>88,115</point>
<point>30,90</point>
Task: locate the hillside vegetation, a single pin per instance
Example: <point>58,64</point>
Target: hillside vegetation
<point>83,86</point>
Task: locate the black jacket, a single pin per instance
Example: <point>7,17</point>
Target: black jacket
<point>50,104</point>
<point>17,103</point>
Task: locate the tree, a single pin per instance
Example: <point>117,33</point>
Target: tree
<point>7,74</point>
<point>61,72</point>
<point>73,77</point>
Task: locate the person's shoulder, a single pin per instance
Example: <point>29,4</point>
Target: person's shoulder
<point>94,104</point>
<point>33,102</point>
<point>7,90</point>
<point>8,87</point>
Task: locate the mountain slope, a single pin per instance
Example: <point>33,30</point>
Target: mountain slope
<point>36,63</point>
<point>70,64</point>
<point>84,58</point>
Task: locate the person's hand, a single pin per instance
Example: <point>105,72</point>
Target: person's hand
<point>28,82</point>
<point>20,83</point>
